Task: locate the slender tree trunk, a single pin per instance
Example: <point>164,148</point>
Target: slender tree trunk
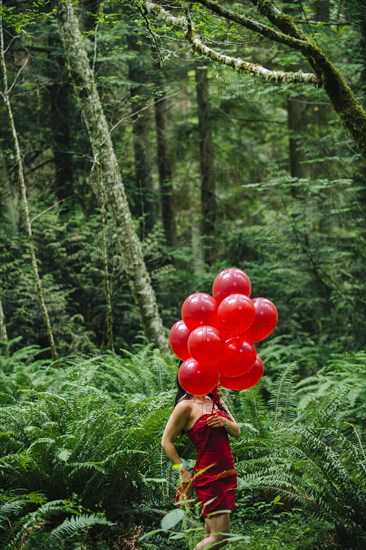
<point>145,199</point>
<point>59,101</point>
<point>297,126</point>
<point>208,183</point>
<point>198,262</point>
<point>103,151</point>
<point>107,282</point>
<point>3,332</point>
<point>164,163</point>
<point>296,123</point>
<point>23,190</point>
<point>8,198</point>
<point>322,10</point>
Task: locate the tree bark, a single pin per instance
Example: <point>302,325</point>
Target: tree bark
<point>322,10</point>
<point>164,161</point>
<point>59,101</point>
<point>107,281</point>
<point>207,168</point>
<point>145,196</point>
<point>3,332</point>
<point>103,151</point>
<point>296,123</point>
<point>297,127</point>
<point>23,190</point>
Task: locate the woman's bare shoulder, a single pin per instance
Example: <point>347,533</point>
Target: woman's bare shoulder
<point>183,407</point>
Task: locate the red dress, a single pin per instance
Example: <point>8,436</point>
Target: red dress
<point>216,486</point>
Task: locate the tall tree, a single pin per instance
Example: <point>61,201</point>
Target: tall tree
<point>163,156</point>
<point>144,195</point>
<point>208,187</point>
<point>284,31</point>
<point>60,116</point>
<point>297,125</point>
<point>23,190</point>
<point>99,134</point>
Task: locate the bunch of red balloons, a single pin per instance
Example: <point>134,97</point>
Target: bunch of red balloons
<point>216,336</point>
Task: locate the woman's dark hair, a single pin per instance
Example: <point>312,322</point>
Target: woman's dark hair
<point>181,393</point>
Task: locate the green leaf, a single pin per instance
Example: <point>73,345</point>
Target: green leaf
<point>171,519</point>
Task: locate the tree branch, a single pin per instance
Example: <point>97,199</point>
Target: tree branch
<point>235,63</point>
<point>282,21</point>
<point>254,25</point>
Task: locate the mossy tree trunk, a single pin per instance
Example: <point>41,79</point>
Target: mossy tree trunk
<point>104,154</point>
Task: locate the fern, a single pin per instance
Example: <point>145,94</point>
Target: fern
<point>78,525</point>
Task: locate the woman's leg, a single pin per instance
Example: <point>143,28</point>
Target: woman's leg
<point>214,529</point>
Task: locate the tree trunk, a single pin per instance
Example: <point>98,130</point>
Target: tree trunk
<point>9,208</point>
<point>297,126</point>
<point>296,123</point>
<point>59,100</point>
<point>145,196</point>
<point>164,163</point>
<point>23,190</point>
<point>3,332</point>
<point>106,277</point>
<point>322,10</point>
<point>208,183</point>
<point>103,151</point>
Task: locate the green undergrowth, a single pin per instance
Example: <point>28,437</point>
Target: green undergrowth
<point>81,464</point>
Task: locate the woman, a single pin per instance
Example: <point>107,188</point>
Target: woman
<point>207,422</point>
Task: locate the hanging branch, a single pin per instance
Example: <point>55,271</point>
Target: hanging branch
<point>235,63</point>
<point>28,227</point>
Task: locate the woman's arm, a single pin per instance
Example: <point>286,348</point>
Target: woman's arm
<point>176,423</point>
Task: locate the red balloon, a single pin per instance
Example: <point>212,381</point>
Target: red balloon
<point>205,345</point>
<point>197,379</point>
<point>235,315</point>
<point>231,281</point>
<point>247,380</point>
<point>178,338</point>
<point>265,321</point>
<point>199,309</point>
<point>239,357</point>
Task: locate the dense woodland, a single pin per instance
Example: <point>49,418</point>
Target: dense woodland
<point>144,147</point>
